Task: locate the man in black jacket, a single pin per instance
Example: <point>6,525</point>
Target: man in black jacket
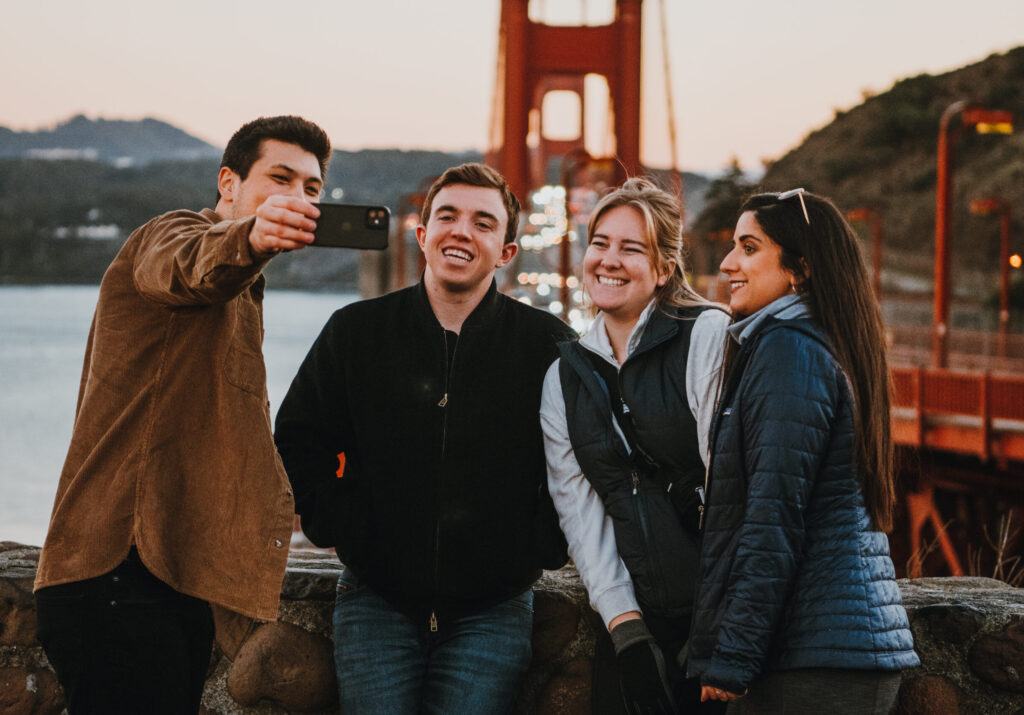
<point>441,514</point>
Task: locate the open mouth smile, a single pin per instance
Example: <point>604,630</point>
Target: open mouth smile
<point>615,282</point>
<point>458,254</point>
<point>736,285</point>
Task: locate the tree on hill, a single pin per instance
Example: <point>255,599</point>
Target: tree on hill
<point>713,228</point>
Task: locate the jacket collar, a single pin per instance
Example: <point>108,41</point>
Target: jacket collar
<point>788,307</point>
<point>652,327</point>
<point>482,315</point>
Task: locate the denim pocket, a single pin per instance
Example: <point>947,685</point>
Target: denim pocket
<point>523,601</point>
<point>348,584</point>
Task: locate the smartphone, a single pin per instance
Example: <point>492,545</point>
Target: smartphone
<point>349,226</point>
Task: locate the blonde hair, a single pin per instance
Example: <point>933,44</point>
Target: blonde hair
<point>663,229</point>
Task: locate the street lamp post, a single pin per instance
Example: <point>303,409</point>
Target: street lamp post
<point>984,121</point>
<point>874,220</point>
<point>990,205</point>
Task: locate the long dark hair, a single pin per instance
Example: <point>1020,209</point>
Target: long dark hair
<point>822,249</point>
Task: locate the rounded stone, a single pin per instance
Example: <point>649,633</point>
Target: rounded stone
<point>568,690</point>
<point>25,691</point>
<point>286,665</point>
<point>928,695</point>
<point>951,623</point>
<point>998,658</point>
<point>555,621</point>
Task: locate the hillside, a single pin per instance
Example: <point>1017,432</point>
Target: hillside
<point>882,155</point>
<point>70,196</point>
<point>62,221</point>
<point>109,140</point>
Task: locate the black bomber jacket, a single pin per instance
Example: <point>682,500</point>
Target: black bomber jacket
<point>443,506</point>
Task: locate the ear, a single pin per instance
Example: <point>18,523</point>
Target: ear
<point>421,235</point>
<point>508,252</point>
<point>798,278</point>
<point>665,274</point>
<point>227,184</point>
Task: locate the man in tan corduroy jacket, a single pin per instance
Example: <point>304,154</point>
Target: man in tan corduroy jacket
<point>173,510</point>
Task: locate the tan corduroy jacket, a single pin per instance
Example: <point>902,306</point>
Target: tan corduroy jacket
<point>172,447</point>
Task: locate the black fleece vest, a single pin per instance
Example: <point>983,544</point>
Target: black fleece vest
<point>651,499</point>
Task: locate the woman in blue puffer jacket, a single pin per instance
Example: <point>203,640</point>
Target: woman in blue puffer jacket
<point>797,609</point>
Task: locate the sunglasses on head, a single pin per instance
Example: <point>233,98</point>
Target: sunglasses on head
<point>799,193</point>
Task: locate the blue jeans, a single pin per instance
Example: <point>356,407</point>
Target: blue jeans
<point>389,664</point>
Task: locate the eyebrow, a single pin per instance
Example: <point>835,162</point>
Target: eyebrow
<point>290,170</point>
<point>633,241</point>
<point>476,214</point>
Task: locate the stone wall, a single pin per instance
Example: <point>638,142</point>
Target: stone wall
<point>969,633</point>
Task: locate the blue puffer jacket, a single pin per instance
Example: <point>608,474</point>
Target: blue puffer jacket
<point>792,575</point>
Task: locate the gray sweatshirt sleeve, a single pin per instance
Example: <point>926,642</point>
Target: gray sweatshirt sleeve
<point>704,371</point>
<point>587,527</point>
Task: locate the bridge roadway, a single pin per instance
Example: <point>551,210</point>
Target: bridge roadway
<point>967,420</point>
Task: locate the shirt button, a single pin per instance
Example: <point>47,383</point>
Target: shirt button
<point>113,603</point>
<point>278,543</point>
<point>116,579</point>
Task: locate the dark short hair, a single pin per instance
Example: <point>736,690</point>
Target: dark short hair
<point>474,174</point>
<point>246,145</point>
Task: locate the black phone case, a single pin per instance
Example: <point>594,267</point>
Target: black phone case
<point>352,226</point>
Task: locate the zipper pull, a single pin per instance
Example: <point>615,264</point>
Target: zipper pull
<point>700,517</point>
<point>636,483</point>
<point>433,622</point>
<point>625,407</point>
<point>700,494</point>
<point>444,400</point>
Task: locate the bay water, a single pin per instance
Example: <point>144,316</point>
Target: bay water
<point>43,331</point>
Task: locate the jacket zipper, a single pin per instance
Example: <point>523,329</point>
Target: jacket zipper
<point>443,404</point>
<point>654,560</point>
<point>653,556</point>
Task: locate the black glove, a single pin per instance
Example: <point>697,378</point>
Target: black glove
<point>642,677</point>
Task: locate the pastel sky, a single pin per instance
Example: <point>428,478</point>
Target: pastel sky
<point>750,78</point>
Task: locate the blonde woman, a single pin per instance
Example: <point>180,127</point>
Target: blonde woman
<point>625,413</point>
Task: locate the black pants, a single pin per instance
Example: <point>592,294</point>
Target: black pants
<point>671,635</point>
<point>126,642</point>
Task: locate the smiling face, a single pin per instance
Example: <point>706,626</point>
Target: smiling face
<point>282,168</point>
<point>754,267</point>
<point>619,266</point>
<point>463,242</point>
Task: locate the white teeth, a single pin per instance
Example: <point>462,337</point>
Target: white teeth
<point>737,284</point>
<point>605,280</point>
<point>458,254</point>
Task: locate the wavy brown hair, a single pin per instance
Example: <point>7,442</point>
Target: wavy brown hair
<point>825,253</point>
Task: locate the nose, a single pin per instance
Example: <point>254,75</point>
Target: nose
<point>298,190</point>
<point>728,264</point>
<point>461,227</point>
<point>611,257</point>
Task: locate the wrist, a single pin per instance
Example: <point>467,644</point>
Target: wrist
<point>629,633</point>
<point>623,617</point>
